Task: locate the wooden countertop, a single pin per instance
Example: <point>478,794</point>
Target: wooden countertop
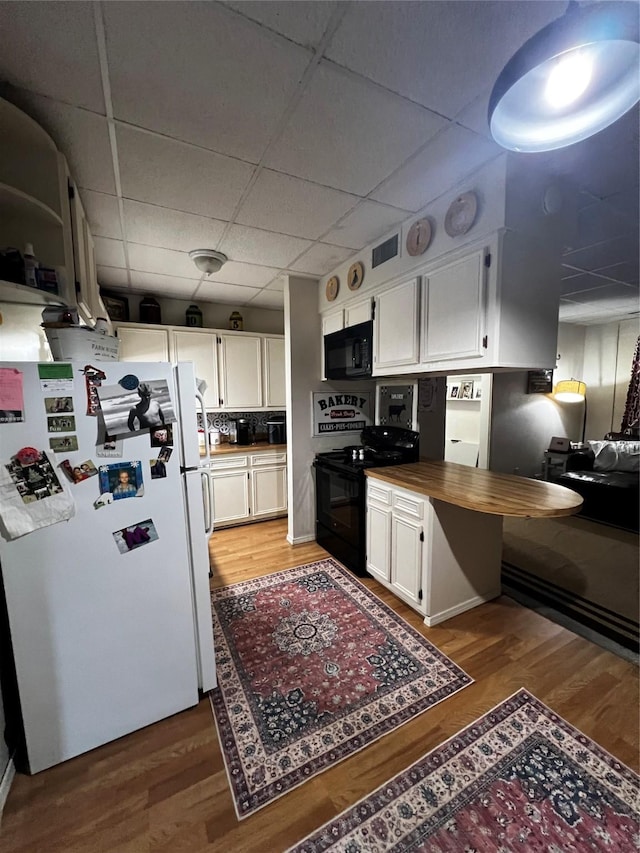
<point>225,447</point>
<point>480,490</point>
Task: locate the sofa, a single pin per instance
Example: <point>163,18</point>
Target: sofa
<point>607,478</point>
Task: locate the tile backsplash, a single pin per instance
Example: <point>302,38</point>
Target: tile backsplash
<point>258,420</point>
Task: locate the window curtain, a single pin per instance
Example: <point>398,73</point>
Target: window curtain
<point>631,416</point>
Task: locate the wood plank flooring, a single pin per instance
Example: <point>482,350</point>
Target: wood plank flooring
<point>164,789</point>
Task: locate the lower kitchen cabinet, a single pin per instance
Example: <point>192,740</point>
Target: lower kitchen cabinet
<point>249,487</point>
<point>439,558</point>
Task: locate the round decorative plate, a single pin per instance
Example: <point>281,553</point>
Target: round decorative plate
<point>355,276</point>
<point>461,214</point>
<point>333,285</point>
<point>419,237</point>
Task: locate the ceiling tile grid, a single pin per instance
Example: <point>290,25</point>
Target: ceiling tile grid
<point>292,135</point>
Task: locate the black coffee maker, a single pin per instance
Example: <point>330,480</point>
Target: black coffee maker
<point>244,431</point>
<point>276,431</point>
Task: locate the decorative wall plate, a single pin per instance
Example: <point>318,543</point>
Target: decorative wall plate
<point>333,285</point>
<point>419,237</point>
<point>461,214</point>
<point>355,275</point>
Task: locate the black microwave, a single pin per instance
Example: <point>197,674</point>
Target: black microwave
<point>348,353</point>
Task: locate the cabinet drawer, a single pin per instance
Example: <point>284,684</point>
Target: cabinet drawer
<point>408,505</point>
<point>380,494</point>
<point>232,461</point>
<point>268,459</point>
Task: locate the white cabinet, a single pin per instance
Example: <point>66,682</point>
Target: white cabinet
<point>357,312</point>
<point>34,205</point>
<point>88,299</point>
<point>395,337</point>
<point>439,558</point>
<point>202,349</point>
<point>240,372</point>
<point>243,372</point>
<point>273,364</point>
<point>453,309</point>
<point>143,343</point>
<point>249,487</point>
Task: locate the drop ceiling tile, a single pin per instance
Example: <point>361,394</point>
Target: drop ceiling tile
<point>253,245</point>
<point>475,115</point>
<point>112,277</point>
<point>366,223</point>
<point>444,162</point>
<point>599,222</point>
<point>272,299</point>
<point>163,285</point>
<point>208,83</point>
<point>605,253</point>
<point>168,173</point>
<point>161,261</point>
<point>103,214</point>
<point>292,206</point>
<point>321,258</point>
<point>437,54</point>
<point>215,291</point>
<point>109,253</point>
<point>170,229</point>
<point>606,296</point>
<point>303,23</point>
<point>50,48</point>
<point>81,136</point>
<point>624,272</point>
<point>276,284</point>
<point>349,134</point>
<point>244,274</point>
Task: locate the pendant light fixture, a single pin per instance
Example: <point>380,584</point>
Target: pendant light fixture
<point>572,79</point>
<point>208,261</point>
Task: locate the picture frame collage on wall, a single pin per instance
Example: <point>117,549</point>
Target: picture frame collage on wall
<point>464,389</point>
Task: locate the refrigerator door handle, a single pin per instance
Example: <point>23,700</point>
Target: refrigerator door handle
<point>207,497</point>
<point>203,413</point>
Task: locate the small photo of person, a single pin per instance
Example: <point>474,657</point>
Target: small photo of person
<point>130,538</point>
<point>148,406</point>
<point>78,473</point>
<point>122,480</point>
<point>158,469</point>
<point>54,405</point>
<point>161,436</point>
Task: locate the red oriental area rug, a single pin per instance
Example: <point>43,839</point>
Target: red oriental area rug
<point>518,779</point>
<point>312,668</point>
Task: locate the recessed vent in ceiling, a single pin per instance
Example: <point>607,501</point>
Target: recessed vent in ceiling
<point>385,251</point>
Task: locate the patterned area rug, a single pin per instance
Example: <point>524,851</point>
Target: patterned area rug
<point>312,668</point>
<point>518,779</point>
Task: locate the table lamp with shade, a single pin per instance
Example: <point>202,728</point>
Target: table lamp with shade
<point>572,391</point>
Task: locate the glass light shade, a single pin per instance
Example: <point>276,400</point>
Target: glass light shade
<point>570,391</point>
<point>594,53</point>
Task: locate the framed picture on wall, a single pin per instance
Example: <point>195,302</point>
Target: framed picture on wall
<point>453,391</point>
<point>117,306</point>
<point>466,390</point>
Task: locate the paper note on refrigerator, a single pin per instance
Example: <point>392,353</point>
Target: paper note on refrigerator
<point>11,395</point>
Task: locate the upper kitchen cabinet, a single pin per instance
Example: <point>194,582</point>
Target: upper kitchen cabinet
<point>358,311</point>
<point>88,299</point>
<point>34,205</point>
<point>241,372</point>
<point>143,343</point>
<point>395,334</point>
<point>274,372</point>
<point>493,305</point>
<point>200,348</point>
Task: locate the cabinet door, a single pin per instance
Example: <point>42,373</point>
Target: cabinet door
<point>274,373</point>
<point>396,326</point>
<point>359,312</point>
<point>379,542</point>
<point>406,559</point>
<point>230,497</point>
<point>450,333</point>
<point>87,295</point>
<point>140,344</point>
<point>202,349</point>
<point>241,372</point>
<point>268,491</point>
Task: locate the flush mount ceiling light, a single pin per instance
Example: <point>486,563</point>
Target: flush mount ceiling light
<point>575,77</point>
<point>207,260</point>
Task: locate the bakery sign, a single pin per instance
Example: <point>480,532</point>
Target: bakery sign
<point>334,412</point>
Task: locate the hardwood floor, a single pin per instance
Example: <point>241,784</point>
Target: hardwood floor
<point>164,789</point>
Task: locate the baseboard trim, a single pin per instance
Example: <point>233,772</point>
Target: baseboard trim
<point>5,785</point>
<point>437,618</point>
<point>300,540</point>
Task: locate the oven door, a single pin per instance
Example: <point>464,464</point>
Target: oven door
<point>340,516</point>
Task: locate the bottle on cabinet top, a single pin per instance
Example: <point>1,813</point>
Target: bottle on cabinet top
<point>193,316</point>
<point>30,266</point>
<point>150,310</point>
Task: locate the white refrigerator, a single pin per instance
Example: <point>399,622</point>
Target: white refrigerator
<point>109,613</point>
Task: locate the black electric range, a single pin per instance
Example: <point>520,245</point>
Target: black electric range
<point>341,489</point>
